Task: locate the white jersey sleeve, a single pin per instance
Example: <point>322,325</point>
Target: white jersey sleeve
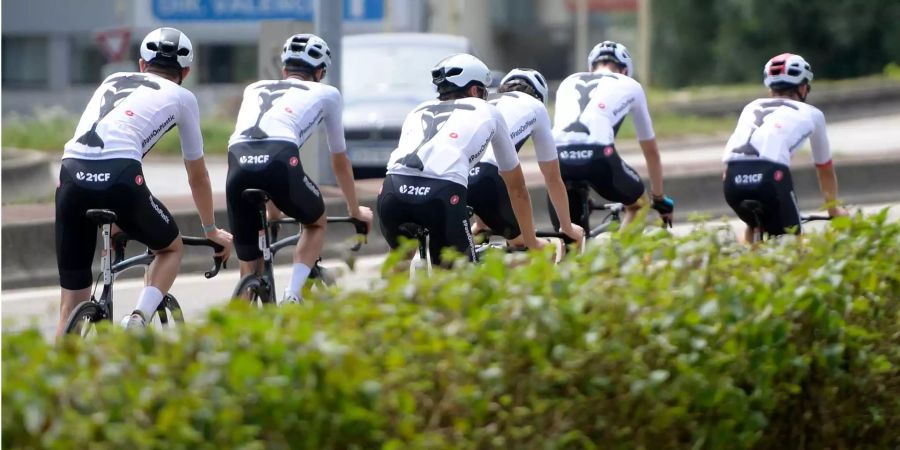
<point>542,135</point>
<point>504,150</point>
<point>821,148</point>
<point>334,124</point>
<point>189,127</point>
<point>643,126</point>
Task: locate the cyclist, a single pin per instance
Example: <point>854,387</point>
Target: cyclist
<point>769,131</point>
<point>522,104</point>
<point>440,141</point>
<point>101,168</point>
<point>590,107</point>
<point>275,119</point>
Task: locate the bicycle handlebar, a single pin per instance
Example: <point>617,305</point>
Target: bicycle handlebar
<point>218,262</point>
<point>362,228</point>
<point>814,217</point>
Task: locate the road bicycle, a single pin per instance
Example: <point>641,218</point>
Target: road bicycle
<point>581,191</point>
<point>259,288</point>
<point>85,317</point>
<point>423,260</point>
<point>755,208</point>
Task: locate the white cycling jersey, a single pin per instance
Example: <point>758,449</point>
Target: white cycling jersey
<point>525,116</point>
<point>129,113</point>
<point>288,110</point>
<point>444,139</point>
<point>590,106</point>
<point>774,128</point>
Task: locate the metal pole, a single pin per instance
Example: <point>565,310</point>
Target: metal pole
<point>644,43</point>
<point>329,20</point>
<point>581,34</point>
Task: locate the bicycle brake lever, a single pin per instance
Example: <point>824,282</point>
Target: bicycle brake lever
<point>218,263</point>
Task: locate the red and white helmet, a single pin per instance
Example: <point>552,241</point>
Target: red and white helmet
<point>787,70</point>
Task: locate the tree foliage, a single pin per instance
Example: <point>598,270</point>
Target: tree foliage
<point>724,41</point>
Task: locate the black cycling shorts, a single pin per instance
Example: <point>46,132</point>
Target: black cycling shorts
<point>489,200</point>
<point>273,166</point>
<point>601,168</point>
<point>768,183</point>
<point>438,205</point>
<point>114,184</point>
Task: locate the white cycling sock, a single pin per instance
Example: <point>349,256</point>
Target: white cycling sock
<point>149,300</point>
<point>298,278</point>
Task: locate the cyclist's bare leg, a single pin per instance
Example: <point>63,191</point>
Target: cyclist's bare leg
<point>69,299</point>
<point>161,274</point>
<point>306,253</point>
<point>248,267</point>
<point>630,213</point>
<point>517,241</point>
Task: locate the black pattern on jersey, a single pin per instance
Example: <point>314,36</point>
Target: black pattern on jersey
<point>269,93</point>
<point>121,87</point>
<point>433,118</point>
<point>760,115</point>
<point>587,84</point>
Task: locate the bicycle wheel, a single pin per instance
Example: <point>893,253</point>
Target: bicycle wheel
<point>252,288</point>
<point>168,313</point>
<point>84,319</point>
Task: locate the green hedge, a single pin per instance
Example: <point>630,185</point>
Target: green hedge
<point>648,342</point>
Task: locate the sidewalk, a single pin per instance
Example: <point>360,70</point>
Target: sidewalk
<point>868,140</point>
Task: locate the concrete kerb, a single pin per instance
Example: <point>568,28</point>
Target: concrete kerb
<point>26,175</point>
<point>29,253</point>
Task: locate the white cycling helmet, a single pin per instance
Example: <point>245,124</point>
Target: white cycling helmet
<point>532,78</point>
<point>787,70</point>
<point>456,71</point>
<point>306,49</point>
<point>167,47</point>
<point>611,51</point>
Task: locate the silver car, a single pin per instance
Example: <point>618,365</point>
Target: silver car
<point>384,77</point>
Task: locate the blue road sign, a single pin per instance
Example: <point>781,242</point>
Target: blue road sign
<point>216,10</point>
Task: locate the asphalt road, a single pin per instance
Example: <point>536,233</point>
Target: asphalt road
<point>39,306</point>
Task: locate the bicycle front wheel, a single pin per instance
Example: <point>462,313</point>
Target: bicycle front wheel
<point>84,319</point>
<point>168,313</point>
<point>253,289</point>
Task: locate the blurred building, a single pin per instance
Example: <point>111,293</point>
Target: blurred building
<point>55,51</point>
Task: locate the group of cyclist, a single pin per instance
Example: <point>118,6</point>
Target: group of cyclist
<point>455,152</point>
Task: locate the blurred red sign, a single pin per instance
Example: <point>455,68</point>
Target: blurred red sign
<point>114,43</point>
<point>605,5</point>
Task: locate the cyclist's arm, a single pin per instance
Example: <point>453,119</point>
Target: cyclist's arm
<point>192,150</point>
<point>643,127</point>
<point>337,145</point>
<point>545,149</point>
<point>511,172</point>
<point>821,151</point>
<point>654,166</point>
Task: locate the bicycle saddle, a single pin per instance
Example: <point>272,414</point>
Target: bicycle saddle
<point>101,216</point>
<point>258,197</point>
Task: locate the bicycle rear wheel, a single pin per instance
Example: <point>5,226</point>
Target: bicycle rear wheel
<point>84,319</point>
<point>252,288</point>
<point>168,313</point>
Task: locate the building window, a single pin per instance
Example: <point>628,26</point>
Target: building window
<point>221,63</point>
<point>25,61</point>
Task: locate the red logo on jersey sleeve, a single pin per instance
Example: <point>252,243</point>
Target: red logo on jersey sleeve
<point>608,150</point>
<point>294,161</point>
<point>601,105</point>
<point>129,113</point>
<point>454,135</point>
<point>288,110</point>
<point>139,180</point>
<point>779,175</point>
<point>454,199</point>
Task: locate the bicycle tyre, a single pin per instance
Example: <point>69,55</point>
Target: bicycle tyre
<point>83,318</point>
<point>252,287</point>
<point>169,312</point>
